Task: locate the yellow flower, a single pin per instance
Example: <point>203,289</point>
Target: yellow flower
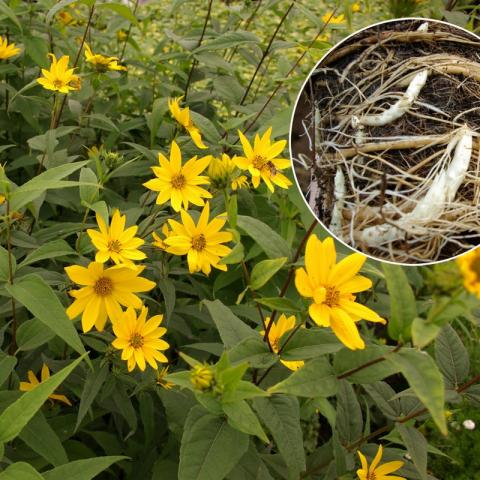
<point>33,382</point>
<point>332,20</point>
<point>179,183</point>
<point>161,374</point>
<point>115,242</point>
<point>104,291</point>
<point>283,325</point>
<point>223,171</point>
<point>469,264</point>
<point>121,35</point>
<point>59,78</point>
<point>202,243</point>
<point>101,62</point>
<point>375,472</point>
<point>356,7</point>
<point>159,242</point>
<point>202,377</point>
<point>66,19</point>
<point>332,285</point>
<point>7,50</point>
<point>140,339</point>
<point>262,162</point>
<point>2,199</point>
<point>239,182</point>
<point>182,116</point>
<point>94,151</point>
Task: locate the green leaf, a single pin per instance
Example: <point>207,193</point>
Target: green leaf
<point>232,330</point>
<point>268,240</point>
<point>403,308</point>
<point>282,304</point>
<point>281,415</point>
<point>8,12</point>
<point>244,391</point>
<point>310,343</point>
<point>57,8</point>
<point>416,446</point>
<point>263,271</point>
<point>347,360</point>
<point>227,40</point>
<point>349,423</point>
<point>314,379</point>
<point>159,108</point>
<point>32,292</point>
<point>254,351</point>
<point>384,397</point>
<point>49,179</point>
<point>4,268</point>
<point>20,470</point>
<point>425,379</point>
<point>423,332</point>
<point>452,356</point>
<point>93,383</point>
<point>53,249</point>
<point>85,469</point>
<point>242,418</point>
<point>14,418</point>
<point>210,447</point>
<point>31,334</point>
<point>42,439</point>
<point>122,10</point>
<point>88,193</point>
<point>7,364</point>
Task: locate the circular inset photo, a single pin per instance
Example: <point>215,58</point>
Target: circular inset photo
<point>385,141</point>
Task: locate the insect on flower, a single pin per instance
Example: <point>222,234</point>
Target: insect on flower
<point>261,160</point>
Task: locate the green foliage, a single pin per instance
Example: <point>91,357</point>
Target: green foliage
<point>231,404</point>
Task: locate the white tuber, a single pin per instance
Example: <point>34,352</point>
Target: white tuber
<point>400,107</point>
<point>339,194</point>
<point>442,191</point>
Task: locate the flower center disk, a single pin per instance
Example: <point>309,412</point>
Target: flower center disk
<point>332,296</point>
<point>103,286</point>
<point>114,246</point>
<point>258,162</point>
<point>136,340</point>
<point>178,181</point>
<point>199,242</point>
<point>475,267</point>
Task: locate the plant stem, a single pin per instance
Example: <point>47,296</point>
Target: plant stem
<point>387,428</point>
<point>351,372</point>
<point>246,274</point>
<point>286,284</point>
<point>194,62</point>
<point>13,342</point>
<point>75,63</point>
<point>280,85</point>
<point>265,53</point>
<point>82,226</point>
<point>128,32</point>
<point>245,28</point>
